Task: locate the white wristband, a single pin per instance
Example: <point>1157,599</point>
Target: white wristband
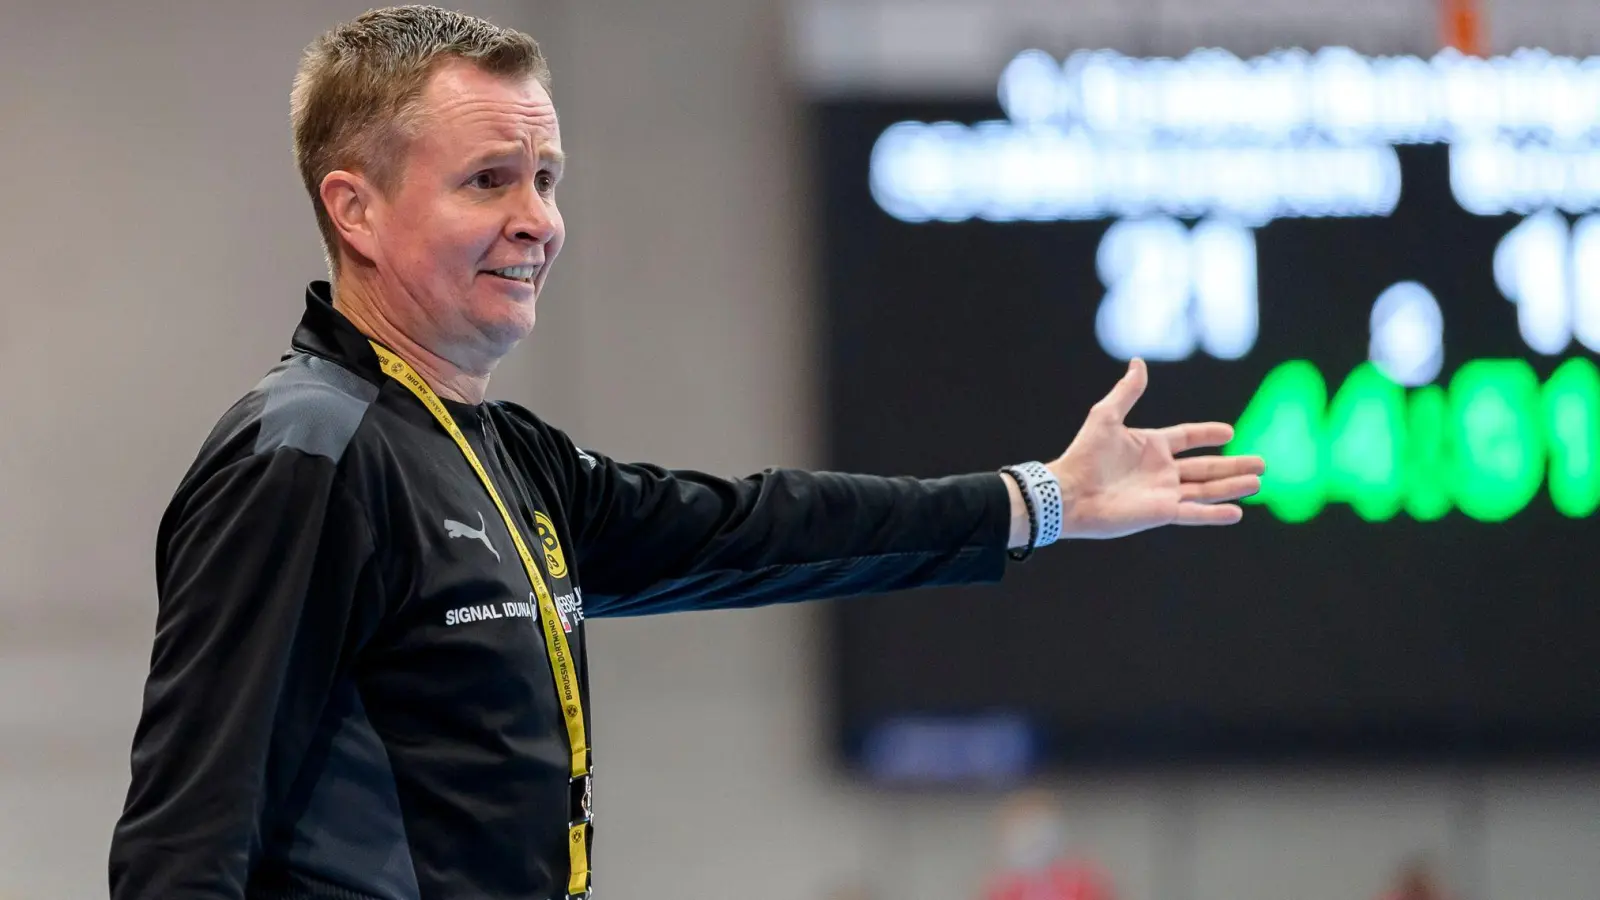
<point>1043,493</point>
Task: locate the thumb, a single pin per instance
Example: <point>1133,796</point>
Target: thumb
<point>1127,391</point>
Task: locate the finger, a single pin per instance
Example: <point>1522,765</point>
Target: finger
<point>1126,391</point>
<point>1211,468</point>
<point>1221,489</point>
<point>1208,514</point>
<point>1197,434</point>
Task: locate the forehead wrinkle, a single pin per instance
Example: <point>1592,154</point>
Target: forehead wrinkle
<point>538,112</point>
<point>530,126</point>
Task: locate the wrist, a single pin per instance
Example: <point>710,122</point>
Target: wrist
<point>1041,496</point>
<point>1069,494</point>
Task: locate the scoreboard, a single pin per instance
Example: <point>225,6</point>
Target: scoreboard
<point>1384,270</point>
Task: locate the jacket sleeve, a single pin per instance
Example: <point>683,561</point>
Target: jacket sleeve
<point>651,540</point>
<point>258,569</point>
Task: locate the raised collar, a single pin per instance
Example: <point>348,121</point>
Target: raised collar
<point>325,332</point>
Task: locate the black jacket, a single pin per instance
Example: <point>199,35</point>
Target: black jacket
<point>349,696</point>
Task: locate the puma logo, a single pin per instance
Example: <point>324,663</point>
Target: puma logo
<point>456,530</point>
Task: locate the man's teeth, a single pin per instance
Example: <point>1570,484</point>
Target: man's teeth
<point>516,273</point>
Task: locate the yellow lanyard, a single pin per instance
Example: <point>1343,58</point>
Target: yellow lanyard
<point>555,637</point>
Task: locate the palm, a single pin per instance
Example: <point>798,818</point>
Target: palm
<point>1124,480</point>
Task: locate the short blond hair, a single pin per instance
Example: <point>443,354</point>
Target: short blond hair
<point>354,101</point>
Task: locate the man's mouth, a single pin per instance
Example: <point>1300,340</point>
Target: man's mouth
<point>524,274</point>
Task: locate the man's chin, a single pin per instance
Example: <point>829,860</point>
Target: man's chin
<point>503,333</point>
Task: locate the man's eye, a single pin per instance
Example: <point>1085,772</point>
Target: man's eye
<point>485,180</point>
<point>546,182</point>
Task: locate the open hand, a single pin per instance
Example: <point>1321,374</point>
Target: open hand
<point>1118,480</point>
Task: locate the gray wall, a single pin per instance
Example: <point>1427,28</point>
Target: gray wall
<point>155,242</point>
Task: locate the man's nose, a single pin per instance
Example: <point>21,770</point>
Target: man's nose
<point>537,224</point>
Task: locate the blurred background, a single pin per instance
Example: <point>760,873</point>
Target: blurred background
<point>918,238</point>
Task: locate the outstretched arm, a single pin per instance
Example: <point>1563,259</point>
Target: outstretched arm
<point>651,540</point>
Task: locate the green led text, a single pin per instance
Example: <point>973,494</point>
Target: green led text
<point>1484,445</point>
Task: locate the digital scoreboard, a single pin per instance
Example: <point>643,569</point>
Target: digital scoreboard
<point>1385,271</point>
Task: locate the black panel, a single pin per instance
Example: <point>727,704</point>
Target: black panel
<point>958,347</point>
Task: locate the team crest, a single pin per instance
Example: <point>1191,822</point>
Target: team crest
<point>554,560</point>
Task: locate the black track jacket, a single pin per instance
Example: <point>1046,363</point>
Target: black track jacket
<point>349,695</point>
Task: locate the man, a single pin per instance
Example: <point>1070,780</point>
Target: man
<point>368,671</point>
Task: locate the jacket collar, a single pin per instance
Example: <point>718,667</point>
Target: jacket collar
<point>325,332</point>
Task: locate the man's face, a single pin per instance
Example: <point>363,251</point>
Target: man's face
<point>469,231</point>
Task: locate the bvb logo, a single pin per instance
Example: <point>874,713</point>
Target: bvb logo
<point>572,711</point>
<point>554,560</point>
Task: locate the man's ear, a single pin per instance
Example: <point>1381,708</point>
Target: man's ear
<point>350,201</point>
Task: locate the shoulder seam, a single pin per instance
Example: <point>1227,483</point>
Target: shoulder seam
<point>313,405</point>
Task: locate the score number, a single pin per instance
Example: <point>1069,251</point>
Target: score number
<point>1483,445</point>
<point>1169,289</point>
<point>1553,275</point>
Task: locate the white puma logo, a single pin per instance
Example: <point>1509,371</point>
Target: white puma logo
<point>456,529</point>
